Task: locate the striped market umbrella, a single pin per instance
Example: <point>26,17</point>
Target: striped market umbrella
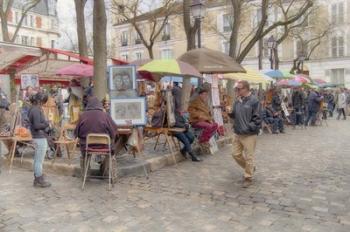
<point>276,74</point>
<point>169,67</point>
<point>251,76</point>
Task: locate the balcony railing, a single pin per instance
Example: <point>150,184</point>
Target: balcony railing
<point>124,43</point>
<point>138,41</point>
<point>165,37</point>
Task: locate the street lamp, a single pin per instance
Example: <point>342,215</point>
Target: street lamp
<point>198,12</point>
<point>271,44</point>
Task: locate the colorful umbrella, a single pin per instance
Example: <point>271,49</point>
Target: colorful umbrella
<point>302,79</point>
<point>76,70</point>
<point>250,76</point>
<point>319,81</point>
<point>277,74</point>
<point>170,67</point>
<point>288,83</point>
<point>287,74</point>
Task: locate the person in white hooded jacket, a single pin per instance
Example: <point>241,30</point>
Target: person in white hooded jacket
<point>341,104</point>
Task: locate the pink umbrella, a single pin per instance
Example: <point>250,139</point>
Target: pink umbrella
<point>302,79</point>
<point>319,81</point>
<point>77,70</point>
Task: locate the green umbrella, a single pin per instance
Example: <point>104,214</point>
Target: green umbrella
<point>169,67</point>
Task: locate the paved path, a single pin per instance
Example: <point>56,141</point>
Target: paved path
<point>302,184</point>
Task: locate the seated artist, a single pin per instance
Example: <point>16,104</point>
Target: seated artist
<point>94,120</point>
<point>273,118</point>
<point>200,116</point>
<point>186,137</point>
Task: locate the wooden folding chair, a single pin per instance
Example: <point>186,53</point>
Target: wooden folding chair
<point>65,140</point>
<point>96,140</point>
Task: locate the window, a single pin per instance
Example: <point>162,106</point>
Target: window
<point>32,41</point>
<point>38,22</point>
<point>17,17</point>
<point>226,47</point>
<point>137,38</point>
<point>166,54</point>
<point>257,18</point>
<point>25,20</point>
<point>337,46</point>
<point>228,22</point>
<point>138,55</point>
<point>301,48</point>
<point>25,40</point>
<point>31,21</point>
<point>337,76</point>
<point>166,32</point>
<point>53,43</point>
<point>337,13</point>
<point>124,38</point>
<point>266,49</point>
<point>38,41</point>
<point>125,57</point>
<point>10,16</point>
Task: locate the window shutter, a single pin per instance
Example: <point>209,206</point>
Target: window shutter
<point>341,12</point>
<point>10,16</point>
<point>38,42</point>
<point>38,21</point>
<point>341,46</point>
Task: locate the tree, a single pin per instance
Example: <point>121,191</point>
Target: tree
<point>100,48</point>
<point>81,31</point>
<point>5,11</point>
<point>191,31</point>
<point>156,20</point>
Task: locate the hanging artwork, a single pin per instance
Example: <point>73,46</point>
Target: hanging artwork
<point>29,80</point>
<point>128,111</point>
<point>122,81</point>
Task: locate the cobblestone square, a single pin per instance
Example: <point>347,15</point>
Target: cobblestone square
<point>302,184</point>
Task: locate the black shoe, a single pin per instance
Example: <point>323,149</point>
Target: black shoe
<point>194,157</point>
<point>41,182</point>
<point>183,153</point>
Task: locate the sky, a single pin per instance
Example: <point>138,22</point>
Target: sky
<point>67,21</point>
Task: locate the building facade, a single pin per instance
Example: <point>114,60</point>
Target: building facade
<point>39,27</point>
<point>329,61</point>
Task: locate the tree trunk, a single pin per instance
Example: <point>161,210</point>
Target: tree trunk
<point>150,52</point>
<point>4,30</point>
<point>191,44</point>
<point>261,44</point>
<point>100,48</point>
<point>81,32</point>
<point>277,61</point>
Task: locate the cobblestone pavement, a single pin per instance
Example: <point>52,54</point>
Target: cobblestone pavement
<point>302,184</point>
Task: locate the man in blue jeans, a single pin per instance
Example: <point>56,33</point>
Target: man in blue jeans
<point>39,127</point>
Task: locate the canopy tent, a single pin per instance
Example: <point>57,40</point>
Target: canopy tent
<point>77,70</point>
<point>250,76</point>
<point>210,61</point>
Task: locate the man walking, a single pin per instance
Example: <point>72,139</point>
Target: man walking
<point>247,124</point>
<point>341,104</point>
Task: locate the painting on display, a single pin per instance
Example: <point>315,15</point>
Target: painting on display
<point>128,111</point>
<point>122,80</point>
<point>29,80</point>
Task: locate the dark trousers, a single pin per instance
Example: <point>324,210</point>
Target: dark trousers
<point>277,123</point>
<point>186,138</point>
<point>341,111</point>
<point>311,116</point>
<point>297,117</point>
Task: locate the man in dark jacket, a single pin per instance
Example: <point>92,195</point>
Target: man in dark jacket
<point>273,118</point>
<point>247,124</point>
<point>94,120</point>
<point>314,103</point>
<point>298,106</point>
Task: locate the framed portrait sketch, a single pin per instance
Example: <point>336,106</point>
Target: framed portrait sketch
<point>122,78</point>
<point>129,111</point>
<point>29,80</point>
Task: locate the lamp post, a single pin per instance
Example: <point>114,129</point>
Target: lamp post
<point>198,12</point>
<point>271,44</point>
<point>301,59</point>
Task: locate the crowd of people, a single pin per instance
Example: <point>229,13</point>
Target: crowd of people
<point>251,113</point>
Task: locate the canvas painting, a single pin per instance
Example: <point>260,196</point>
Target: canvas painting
<point>129,111</point>
<point>29,80</point>
<point>122,80</point>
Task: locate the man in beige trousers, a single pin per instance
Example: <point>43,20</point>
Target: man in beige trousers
<point>247,123</point>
